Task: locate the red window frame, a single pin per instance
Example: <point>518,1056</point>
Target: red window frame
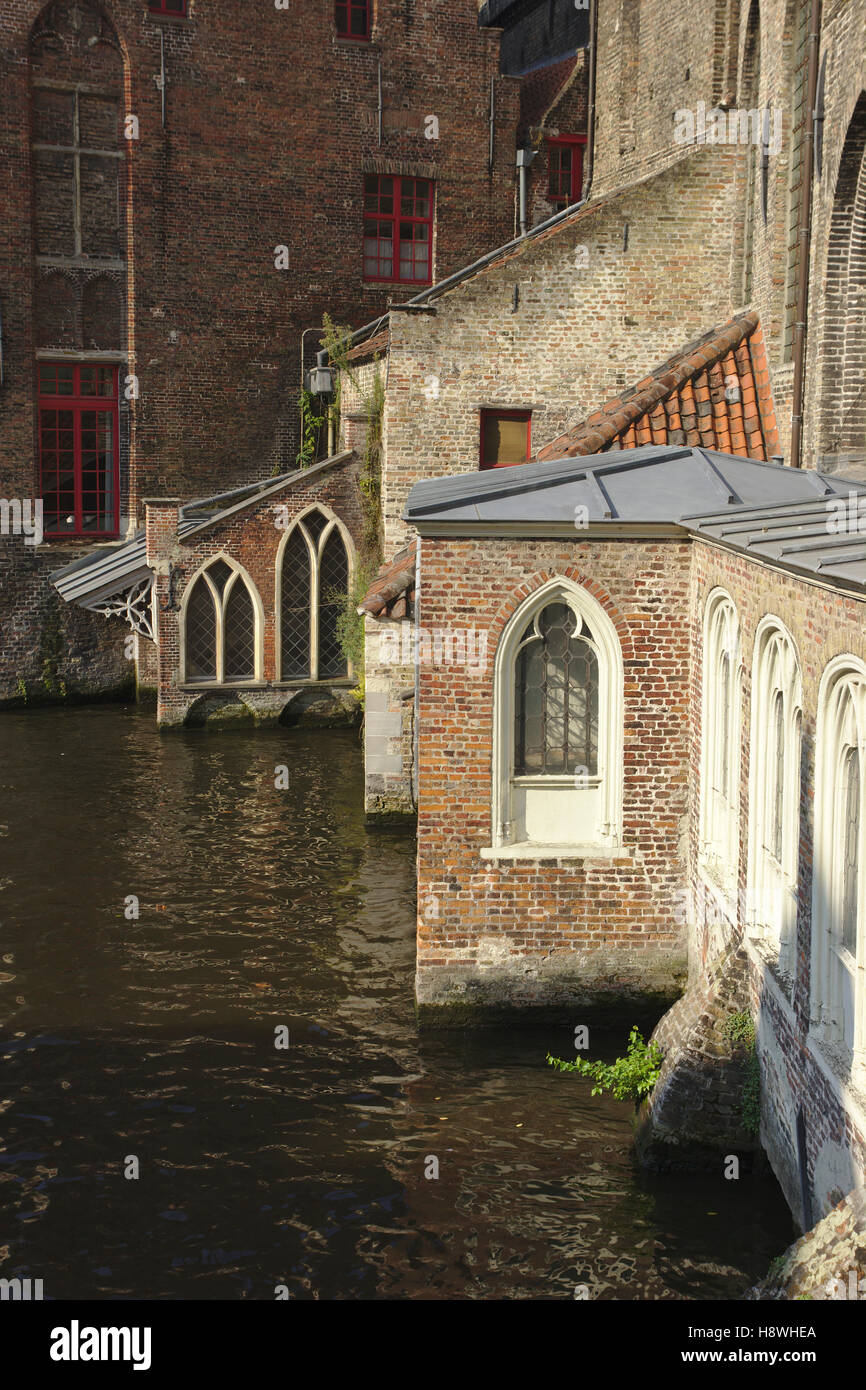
<point>385,222</point>
<point>80,400</point>
<point>353,19</point>
<point>174,9</point>
<point>565,185</point>
<point>493,414</point>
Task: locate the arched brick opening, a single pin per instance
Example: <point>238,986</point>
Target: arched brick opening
<point>843,413</point>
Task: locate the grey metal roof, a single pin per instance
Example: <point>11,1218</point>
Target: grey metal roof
<point>113,569</point>
<point>776,513</point>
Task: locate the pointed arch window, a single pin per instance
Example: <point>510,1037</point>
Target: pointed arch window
<point>720,744</point>
<point>558,727</point>
<point>838,1007</point>
<point>221,630</point>
<point>314,570</point>
<point>774,793</point>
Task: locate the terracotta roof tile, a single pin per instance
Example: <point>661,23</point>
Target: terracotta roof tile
<point>715,392</point>
<point>393,590</point>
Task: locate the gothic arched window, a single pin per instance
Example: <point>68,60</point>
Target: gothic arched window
<point>720,742</point>
<point>313,572</point>
<point>839,881</point>
<point>774,791</point>
<point>221,631</point>
<point>558,725</point>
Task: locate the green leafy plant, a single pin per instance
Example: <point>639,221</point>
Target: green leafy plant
<point>739,1029</point>
<point>631,1077</point>
<point>350,623</point>
<point>314,414</point>
<point>337,342</point>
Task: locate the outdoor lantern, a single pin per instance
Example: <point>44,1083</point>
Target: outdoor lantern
<point>320,379</point>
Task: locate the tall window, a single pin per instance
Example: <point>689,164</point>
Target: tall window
<point>720,744</point>
<point>221,633</point>
<point>505,437</point>
<point>398,229</point>
<point>558,692</point>
<point>839,881</point>
<point>312,572</point>
<point>774,792</point>
<point>565,169</point>
<point>78,449</point>
<point>352,18</point>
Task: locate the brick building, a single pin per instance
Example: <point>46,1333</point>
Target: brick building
<point>186,186</point>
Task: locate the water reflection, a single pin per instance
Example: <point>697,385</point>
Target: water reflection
<point>153,1037</point>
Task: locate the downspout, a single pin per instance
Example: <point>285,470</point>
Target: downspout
<point>590,115</point>
<point>805,231</point>
<point>417,660</point>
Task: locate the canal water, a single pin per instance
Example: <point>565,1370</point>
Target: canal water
<point>148,1042</point>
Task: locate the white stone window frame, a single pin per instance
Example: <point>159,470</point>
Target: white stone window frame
<point>239,575</point>
<point>606,788</point>
<point>718,857</point>
<point>315,553</point>
<point>772,882</point>
<point>837,974</point>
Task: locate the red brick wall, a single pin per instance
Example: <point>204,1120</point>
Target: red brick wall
<point>823,624</point>
<point>512,932</point>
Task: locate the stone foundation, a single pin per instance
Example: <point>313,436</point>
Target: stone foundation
<point>828,1262</point>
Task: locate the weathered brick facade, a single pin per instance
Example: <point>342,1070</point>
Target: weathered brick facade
<point>595,930</point>
<point>260,138</point>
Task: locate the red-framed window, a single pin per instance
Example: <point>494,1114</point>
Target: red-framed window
<point>565,169</point>
<point>398,229</point>
<point>506,438</point>
<point>352,18</point>
<point>176,8</point>
<point>78,449</point>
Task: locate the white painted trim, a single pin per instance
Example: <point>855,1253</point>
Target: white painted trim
<point>238,572</point>
<point>841,726</point>
<point>771,885</point>
<point>334,523</point>
<point>718,857</point>
<point>607,787</point>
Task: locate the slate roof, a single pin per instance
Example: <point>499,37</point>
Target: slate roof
<point>542,87</point>
<point>767,510</point>
<point>113,569</point>
<point>715,392</point>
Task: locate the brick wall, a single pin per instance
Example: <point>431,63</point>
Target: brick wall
<point>823,624</point>
<point>258,150</point>
<point>499,934</point>
<point>251,538</point>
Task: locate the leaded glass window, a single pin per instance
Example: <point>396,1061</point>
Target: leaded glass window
<point>777,822</point>
<point>220,627</point>
<point>556,696</point>
<point>314,574</point>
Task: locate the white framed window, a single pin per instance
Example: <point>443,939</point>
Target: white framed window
<point>838,1000</point>
<point>314,564</point>
<point>774,792</point>
<point>221,626</point>
<point>557,726</point>
<point>720,746</point>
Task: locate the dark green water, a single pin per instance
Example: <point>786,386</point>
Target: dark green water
<point>155,1038</point>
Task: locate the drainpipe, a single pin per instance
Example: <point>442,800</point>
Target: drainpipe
<point>805,232</point>
<point>417,655</point>
<point>317,329</point>
<point>590,115</point>
<point>524,159</point>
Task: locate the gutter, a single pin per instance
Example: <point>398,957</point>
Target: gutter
<point>590,115</point>
<point>805,241</point>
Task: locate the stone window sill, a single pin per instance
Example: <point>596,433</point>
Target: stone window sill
<point>227,686</point>
<point>527,850</point>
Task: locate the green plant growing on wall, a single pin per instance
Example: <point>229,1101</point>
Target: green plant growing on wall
<point>337,342</point>
<point>631,1077</point>
<point>51,651</point>
<point>739,1030</point>
<point>350,623</point>
<point>315,417</point>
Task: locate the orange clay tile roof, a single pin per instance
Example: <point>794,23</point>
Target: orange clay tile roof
<point>714,393</point>
<point>393,590</point>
